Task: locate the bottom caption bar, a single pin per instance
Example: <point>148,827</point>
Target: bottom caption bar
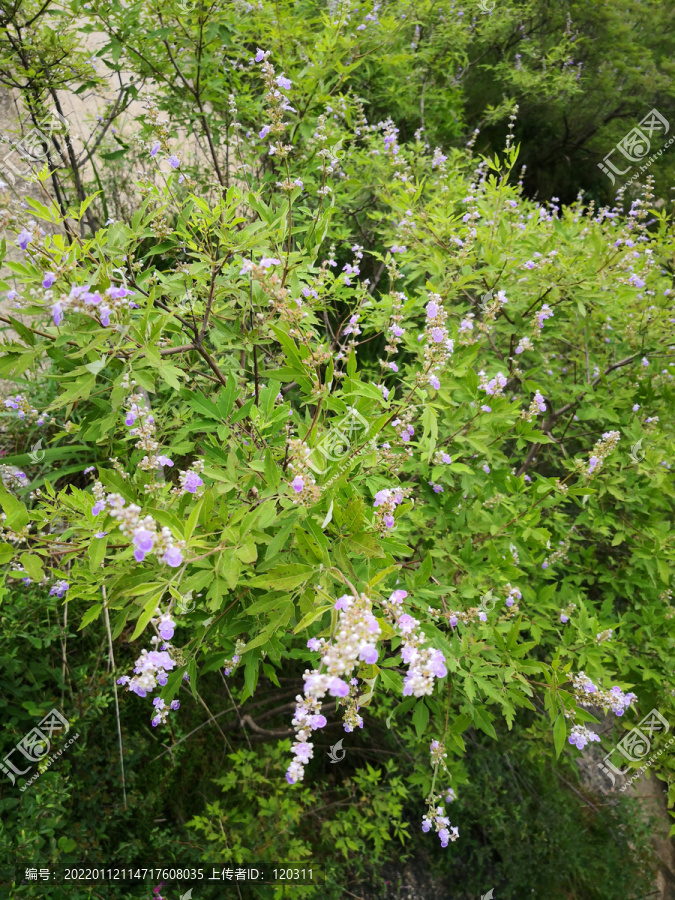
<point>261,873</point>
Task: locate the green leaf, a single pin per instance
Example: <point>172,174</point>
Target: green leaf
<point>90,615</point>
<point>147,614</point>
<point>423,574</point>
<point>6,553</point>
<point>32,565</point>
<point>420,718</point>
<point>365,542</point>
<point>559,734</point>
<point>282,578</point>
<point>312,616</point>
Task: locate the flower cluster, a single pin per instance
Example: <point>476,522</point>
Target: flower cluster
<point>395,332</point>
<point>403,427</point>
<point>351,718</point>
<point>557,554</point>
<point>165,625</point>
<point>304,483</point>
<point>544,313</point>
<point>538,405</point>
<point>580,736</point>
<point>25,411</point>
<point>524,344</point>
<point>441,458</point>
<point>12,477</point>
<point>495,386</point>
<point>605,635</point>
<point>81,299</point>
<point>150,671</point>
<point>278,104</point>
<point>566,612</point>
<point>190,480</point>
<point>385,504</point>
<point>59,589</point>
<point>424,663</point>
<point>29,234</point>
<point>354,639</point>
<point>512,594</point>
<point>231,664</point>
<point>438,346</point>
<point>601,450</point>
<point>141,423</point>
<point>435,817</point>
<point>143,531</point>
<point>588,694</point>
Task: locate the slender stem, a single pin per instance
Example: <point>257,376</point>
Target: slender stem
<point>111,662</point>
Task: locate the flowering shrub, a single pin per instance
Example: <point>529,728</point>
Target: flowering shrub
<point>293,425</point>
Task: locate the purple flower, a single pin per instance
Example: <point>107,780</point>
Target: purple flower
<point>564,619</point>
<point>164,460</point>
<point>192,482</point>
<point>283,83</point>
<point>314,644</point>
<point>264,131</point>
<point>48,280</point>
<point>369,654</point>
<point>434,382</point>
<point>175,161</point>
<point>57,314</point>
<point>100,534</point>
<point>173,557</point>
<point>298,484</point>
<point>338,688</point>
<point>268,261</point>
<point>486,468</point>
<point>260,55</point>
<point>24,238</point>
<point>437,665</point>
<point>143,540</point>
<point>155,148</point>
<point>406,623</point>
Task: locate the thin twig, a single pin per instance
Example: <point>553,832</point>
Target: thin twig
<point>111,661</point>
